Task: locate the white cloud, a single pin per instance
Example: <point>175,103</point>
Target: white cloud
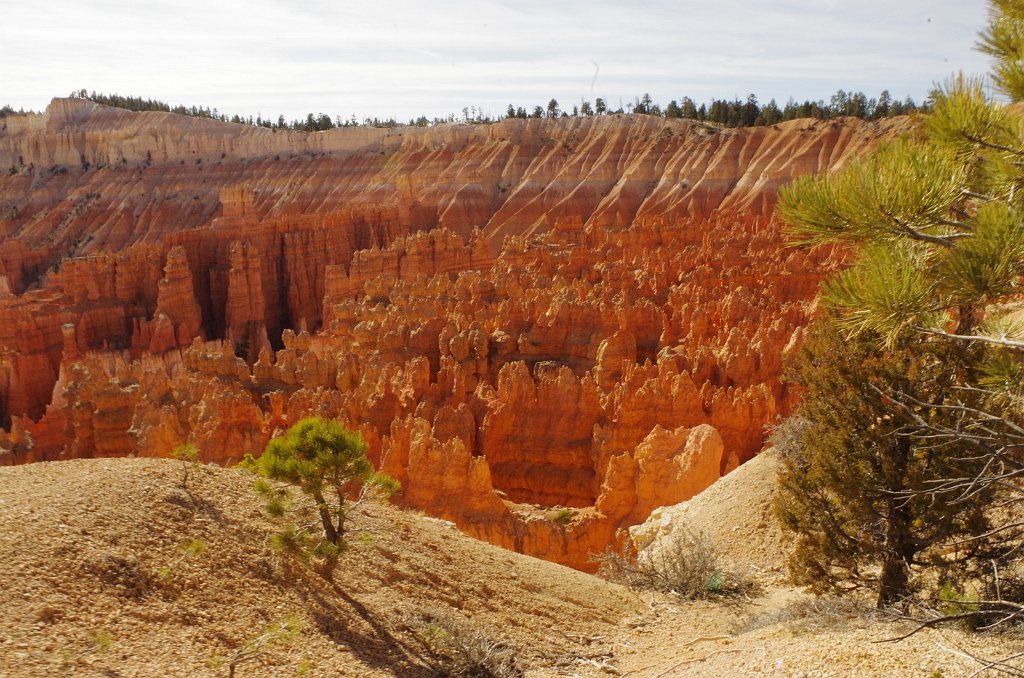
<point>404,58</point>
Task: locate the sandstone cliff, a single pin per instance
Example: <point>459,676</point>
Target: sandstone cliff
<point>545,328</point>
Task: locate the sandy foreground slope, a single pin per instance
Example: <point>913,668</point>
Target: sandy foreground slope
<point>95,582</point>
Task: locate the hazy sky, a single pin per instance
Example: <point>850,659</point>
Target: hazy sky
<point>403,58</point>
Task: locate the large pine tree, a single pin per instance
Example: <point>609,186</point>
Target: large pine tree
<point>913,439</point>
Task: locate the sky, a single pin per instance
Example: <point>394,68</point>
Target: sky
<point>404,59</point>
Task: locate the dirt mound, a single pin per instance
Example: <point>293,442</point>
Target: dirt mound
<point>111,568</point>
<point>99,579</point>
<point>736,516</point>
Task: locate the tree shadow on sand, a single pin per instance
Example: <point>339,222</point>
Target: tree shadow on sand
<point>375,638</point>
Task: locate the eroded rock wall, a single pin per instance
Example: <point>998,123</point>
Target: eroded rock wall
<point>545,329</point>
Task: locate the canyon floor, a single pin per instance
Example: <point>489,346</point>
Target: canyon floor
<point>97,581</point>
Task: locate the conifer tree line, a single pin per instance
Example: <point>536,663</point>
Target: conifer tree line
<point>722,112</point>
<point>7,109</point>
<point>737,112</point>
<point>311,123</point>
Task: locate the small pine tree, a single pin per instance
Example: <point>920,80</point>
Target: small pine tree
<point>276,633</point>
<point>328,463</point>
<point>188,455</point>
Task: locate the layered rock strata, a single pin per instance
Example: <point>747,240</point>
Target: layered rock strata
<point>545,329</point>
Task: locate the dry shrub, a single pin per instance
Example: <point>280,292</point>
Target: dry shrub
<point>685,565</point>
<point>465,650</point>
<point>813,614</point>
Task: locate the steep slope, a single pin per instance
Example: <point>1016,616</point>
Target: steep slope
<point>84,178</point>
<point>545,328</point>
<point>96,582</point>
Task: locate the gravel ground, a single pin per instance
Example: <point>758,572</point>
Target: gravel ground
<point>97,580</point>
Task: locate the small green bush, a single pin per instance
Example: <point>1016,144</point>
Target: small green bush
<point>563,516</point>
<point>276,633</point>
<point>189,550</point>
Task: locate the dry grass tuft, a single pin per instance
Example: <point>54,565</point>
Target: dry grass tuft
<point>685,565</point>
<point>464,649</point>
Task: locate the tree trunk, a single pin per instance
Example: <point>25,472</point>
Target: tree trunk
<point>898,548</point>
<point>894,582</point>
<point>330,533</point>
<point>329,530</point>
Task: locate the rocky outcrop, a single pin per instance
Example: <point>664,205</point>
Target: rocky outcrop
<point>541,412</point>
<point>178,318</point>
<point>544,329</point>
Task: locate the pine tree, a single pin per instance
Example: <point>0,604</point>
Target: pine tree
<point>853,489</point>
<point>749,111</point>
<point>936,222</point>
<point>328,463</point>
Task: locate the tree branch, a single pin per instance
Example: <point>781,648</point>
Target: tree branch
<point>993,146</point>
<point>999,341</point>
<point>929,623</point>
<point>956,224</point>
<point>999,665</point>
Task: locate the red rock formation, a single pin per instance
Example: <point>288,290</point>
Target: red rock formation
<point>537,435</point>
<point>596,329</point>
<point>178,318</point>
<point>667,467</point>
